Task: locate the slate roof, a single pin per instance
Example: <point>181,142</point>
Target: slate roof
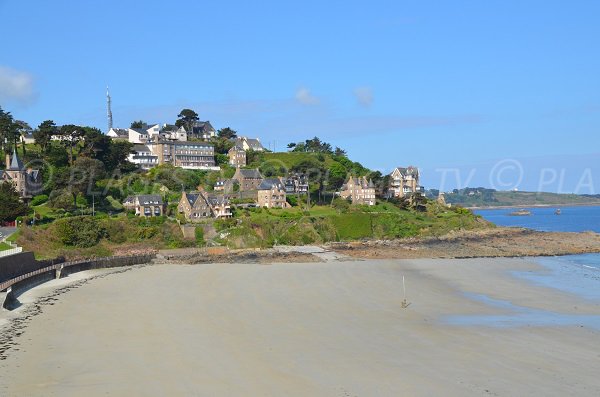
<point>408,170</point>
<point>15,164</point>
<point>192,197</point>
<point>141,148</point>
<point>270,183</point>
<point>145,199</point>
<point>254,144</point>
<point>250,174</point>
<point>121,131</point>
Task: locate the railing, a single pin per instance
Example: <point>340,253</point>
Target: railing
<point>11,251</point>
<point>12,281</point>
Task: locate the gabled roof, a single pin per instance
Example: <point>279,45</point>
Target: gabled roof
<point>120,131</point>
<point>250,173</point>
<point>270,183</point>
<point>414,171</point>
<point>192,197</point>
<point>139,131</point>
<point>254,143</point>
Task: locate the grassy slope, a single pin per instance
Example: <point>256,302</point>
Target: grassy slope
<point>264,228</point>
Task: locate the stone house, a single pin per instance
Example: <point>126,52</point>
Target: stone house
<point>27,182</point>
<point>248,179</point>
<point>271,194</point>
<point>359,190</point>
<point>404,181</point>
<point>296,184</point>
<point>248,143</point>
<point>237,156</point>
<point>145,205</point>
<point>196,206</point>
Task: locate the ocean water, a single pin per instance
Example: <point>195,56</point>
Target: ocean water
<point>571,219</point>
<point>574,274</point>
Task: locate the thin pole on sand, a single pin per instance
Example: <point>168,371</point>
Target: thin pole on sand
<point>404,304</point>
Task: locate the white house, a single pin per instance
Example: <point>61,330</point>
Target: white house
<point>118,133</point>
<point>143,157</point>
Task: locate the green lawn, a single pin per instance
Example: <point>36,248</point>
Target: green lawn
<point>4,247</point>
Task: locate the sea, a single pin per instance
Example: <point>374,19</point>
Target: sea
<point>573,274</point>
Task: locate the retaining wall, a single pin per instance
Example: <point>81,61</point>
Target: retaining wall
<point>15,265</point>
<point>38,276</point>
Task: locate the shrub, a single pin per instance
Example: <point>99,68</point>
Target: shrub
<point>39,199</point>
<point>199,233</point>
<point>79,231</point>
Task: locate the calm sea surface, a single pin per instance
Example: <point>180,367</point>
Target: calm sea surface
<point>578,274</point>
<point>574,274</point>
<point>571,219</point>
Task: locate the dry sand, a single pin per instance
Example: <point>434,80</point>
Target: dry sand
<point>314,329</point>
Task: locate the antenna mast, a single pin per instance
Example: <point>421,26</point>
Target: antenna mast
<point>108,110</point>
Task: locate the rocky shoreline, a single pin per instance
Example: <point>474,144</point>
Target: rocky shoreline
<point>496,242</point>
<point>489,243</point>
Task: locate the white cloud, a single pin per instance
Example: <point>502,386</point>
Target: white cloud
<point>304,96</point>
<point>364,96</point>
<point>15,85</point>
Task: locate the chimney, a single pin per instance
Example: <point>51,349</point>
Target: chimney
<point>7,161</point>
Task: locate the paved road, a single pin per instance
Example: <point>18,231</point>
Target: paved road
<point>6,231</point>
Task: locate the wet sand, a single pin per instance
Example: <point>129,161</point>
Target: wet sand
<point>313,329</point>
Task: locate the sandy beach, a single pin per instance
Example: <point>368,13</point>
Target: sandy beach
<point>308,329</point>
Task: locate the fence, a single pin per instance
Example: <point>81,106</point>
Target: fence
<point>11,251</point>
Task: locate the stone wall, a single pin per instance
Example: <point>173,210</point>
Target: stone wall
<point>14,265</point>
<point>42,275</point>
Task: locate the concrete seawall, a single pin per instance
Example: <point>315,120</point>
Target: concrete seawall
<point>23,282</point>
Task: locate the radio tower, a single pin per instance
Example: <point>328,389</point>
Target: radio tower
<point>108,110</point>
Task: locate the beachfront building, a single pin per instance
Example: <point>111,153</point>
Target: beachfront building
<point>146,205</point>
<point>199,205</point>
<point>271,194</point>
<point>404,182</point>
<point>27,181</point>
<point>359,190</point>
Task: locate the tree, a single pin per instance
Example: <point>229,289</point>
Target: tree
<point>187,118</point>
<point>71,135</point>
<point>227,133</point>
<point>222,145</point>
<point>11,205</point>
<point>9,131</point>
<point>22,129</point>
<point>291,146</point>
<point>96,145</point>
<point>339,152</point>
<point>43,134</point>
<point>118,154</point>
<point>85,172</point>
<point>138,124</point>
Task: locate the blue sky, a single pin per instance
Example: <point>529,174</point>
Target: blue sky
<point>457,85</point>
